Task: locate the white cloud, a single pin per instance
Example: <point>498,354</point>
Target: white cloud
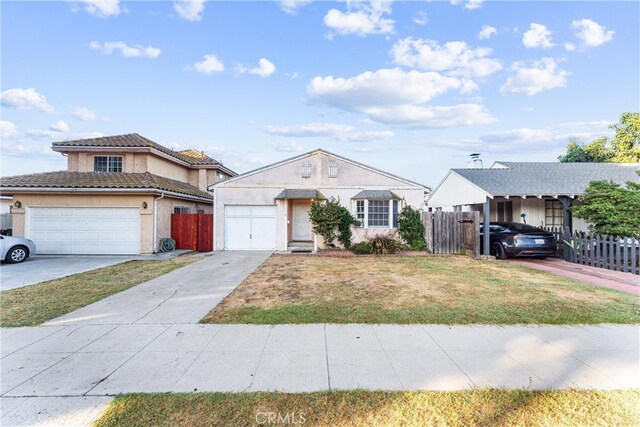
<point>398,97</point>
<point>84,114</point>
<point>473,4</point>
<point>455,57</point>
<point>25,99</point>
<point>209,64</point>
<point>264,69</point>
<point>541,75</point>
<point>8,130</point>
<point>291,6</point>
<point>137,51</point>
<point>487,32</point>
<point>431,117</point>
<point>385,87</point>
<point>191,10</point>
<point>362,18</point>
<point>468,4</point>
<point>570,47</point>
<point>421,18</point>
<point>528,140</point>
<point>59,126</point>
<point>102,8</point>
<point>286,146</point>
<point>345,133</point>
<point>590,33</point>
<point>537,36</point>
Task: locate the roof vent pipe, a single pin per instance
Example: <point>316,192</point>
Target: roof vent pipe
<point>476,161</point>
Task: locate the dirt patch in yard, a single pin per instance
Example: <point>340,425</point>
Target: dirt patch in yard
<point>397,289</point>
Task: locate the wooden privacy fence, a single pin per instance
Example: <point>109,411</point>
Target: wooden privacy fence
<point>452,232</point>
<point>612,253</point>
<point>192,231</point>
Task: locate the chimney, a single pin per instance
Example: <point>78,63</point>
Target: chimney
<point>475,162</point>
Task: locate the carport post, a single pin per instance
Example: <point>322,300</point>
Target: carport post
<point>485,227</point>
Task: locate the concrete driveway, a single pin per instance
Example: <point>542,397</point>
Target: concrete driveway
<point>39,268</point>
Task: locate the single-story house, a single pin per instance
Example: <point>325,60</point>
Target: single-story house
<point>268,208</point>
<point>537,193</point>
<point>116,196</point>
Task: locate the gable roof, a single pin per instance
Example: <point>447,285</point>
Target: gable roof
<point>546,178</point>
<point>133,140</point>
<point>98,180</point>
<point>310,153</point>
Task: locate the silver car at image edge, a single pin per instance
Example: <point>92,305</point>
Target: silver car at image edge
<point>15,249</point>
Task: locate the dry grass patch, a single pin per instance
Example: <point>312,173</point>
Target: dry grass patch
<point>35,304</point>
<point>484,407</point>
<point>452,289</point>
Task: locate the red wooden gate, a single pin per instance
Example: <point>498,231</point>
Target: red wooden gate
<point>192,231</point>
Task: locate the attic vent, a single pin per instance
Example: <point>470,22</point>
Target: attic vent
<point>333,169</point>
<point>306,170</point>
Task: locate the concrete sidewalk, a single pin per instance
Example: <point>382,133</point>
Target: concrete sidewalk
<point>625,282</point>
<point>105,360</point>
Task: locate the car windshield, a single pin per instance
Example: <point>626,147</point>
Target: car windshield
<point>522,227</point>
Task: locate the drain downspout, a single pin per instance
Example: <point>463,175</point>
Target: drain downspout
<point>155,222</point>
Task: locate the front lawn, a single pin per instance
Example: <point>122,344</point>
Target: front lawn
<point>396,289</point>
<point>483,407</point>
<point>35,304</point>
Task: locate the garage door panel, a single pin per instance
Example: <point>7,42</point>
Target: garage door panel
<point>263,233</point>
<point>238,233</point>
<point>85,230</point>
<point>250,227</point>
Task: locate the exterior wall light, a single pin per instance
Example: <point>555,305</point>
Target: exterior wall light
<point>144,205</point>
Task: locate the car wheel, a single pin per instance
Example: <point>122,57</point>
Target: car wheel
<point>17,254</point>
<point>498,251</point>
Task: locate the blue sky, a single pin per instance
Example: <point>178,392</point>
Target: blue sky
<point>409,87</point>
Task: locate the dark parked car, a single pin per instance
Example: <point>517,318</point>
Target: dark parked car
<point>513,239</point>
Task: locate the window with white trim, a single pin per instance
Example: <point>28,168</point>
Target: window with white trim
<point>181,210</point>
<point>306,170</point>
<point>333,169</point>
<point>360,212</point>
<point>378,213</point>
<point>107,164</point>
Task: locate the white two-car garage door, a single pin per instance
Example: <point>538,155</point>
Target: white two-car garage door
<point>90,231</point>
<point>250,227</point>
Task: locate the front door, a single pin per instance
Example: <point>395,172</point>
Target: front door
<point>301,229</point>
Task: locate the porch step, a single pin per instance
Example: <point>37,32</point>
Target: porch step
<point>300,246</point>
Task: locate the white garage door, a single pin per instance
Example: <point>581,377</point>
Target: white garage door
<point>250,227</point>
<point>91,231</point>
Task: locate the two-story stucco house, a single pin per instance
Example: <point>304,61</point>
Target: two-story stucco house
<point>268,208</point>
<point>116,196</point>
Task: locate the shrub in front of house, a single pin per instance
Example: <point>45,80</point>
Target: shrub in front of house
<point>329,216</point>
<point>384,244</point>
<point>361,248</point>
<point>411,229</point>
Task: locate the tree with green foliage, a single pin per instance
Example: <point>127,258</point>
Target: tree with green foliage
<point>327,216</point>
<point>411,229</point>
<point>624,147</point>
<point>610,208</point>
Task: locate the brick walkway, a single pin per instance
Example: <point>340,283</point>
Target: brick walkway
<point>625,282</point>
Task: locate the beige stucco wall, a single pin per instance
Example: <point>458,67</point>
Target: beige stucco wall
<point>261,189</point>
<point>145,162</point>
<point>88,200</point>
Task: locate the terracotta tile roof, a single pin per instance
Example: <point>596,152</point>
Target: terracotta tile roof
<point>106,180</point>
<point>138,141</point>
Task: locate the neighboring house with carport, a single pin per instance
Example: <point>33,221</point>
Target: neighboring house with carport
<point>542,192</point>
<point>268,208</point>
<point>116,196</point>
